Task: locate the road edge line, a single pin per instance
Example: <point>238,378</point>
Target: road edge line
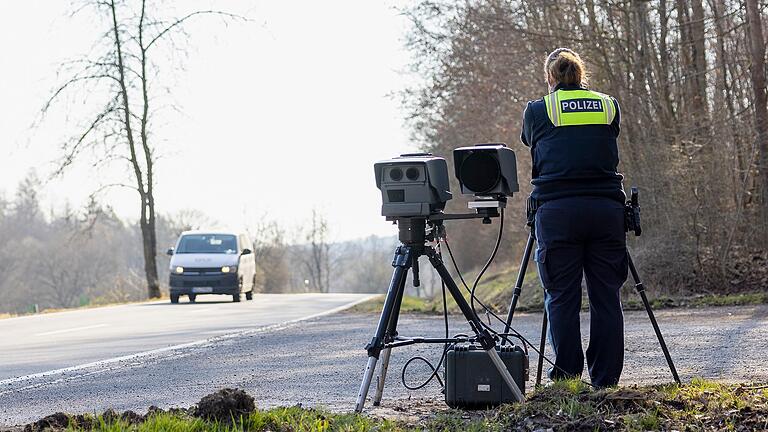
<point>247,332</point>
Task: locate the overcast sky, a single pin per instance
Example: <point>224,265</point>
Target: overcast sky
<point>279,116</point>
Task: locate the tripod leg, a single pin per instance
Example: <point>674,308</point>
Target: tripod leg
<point>388,336</point>
<point>519,283</point>
<point>641,290</point>
<point>382,376</point>
<point>542,347</point>
<point>401,263</point>
<point>484,337</point>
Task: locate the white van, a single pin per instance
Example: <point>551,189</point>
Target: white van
<point>208,262</point>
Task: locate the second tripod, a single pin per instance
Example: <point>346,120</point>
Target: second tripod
<point>632,215</point>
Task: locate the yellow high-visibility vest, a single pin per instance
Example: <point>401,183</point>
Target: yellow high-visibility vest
<point>579,107</point>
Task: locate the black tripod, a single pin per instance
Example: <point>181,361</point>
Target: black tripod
<point>413,238</point>
<point>633,216</point>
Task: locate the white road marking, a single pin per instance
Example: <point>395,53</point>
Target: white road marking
<point>74,329</point>
<point>272,327</point>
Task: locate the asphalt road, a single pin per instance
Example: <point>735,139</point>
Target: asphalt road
<point>319,362</point>
<point>42,344</point>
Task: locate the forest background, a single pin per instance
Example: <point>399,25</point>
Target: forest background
<point>690,76</point>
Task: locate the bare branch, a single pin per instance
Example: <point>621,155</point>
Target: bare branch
<point>93,195</point>
<point>69,83</point>
<point>183,19</point>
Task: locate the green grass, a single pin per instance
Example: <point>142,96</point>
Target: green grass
<point>701,300</point>
<point>700,405</point>
<point>276,419</point>
<point>495,290</point>
<point>568,405</point>
<point>410,304</point>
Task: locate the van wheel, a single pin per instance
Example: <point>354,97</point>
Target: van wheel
<point>249,295</point>
<point>192,298</point>
<point>174,298</point>
<point>236,298</point>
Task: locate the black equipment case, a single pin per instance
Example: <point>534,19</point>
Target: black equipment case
<point>472,381</point>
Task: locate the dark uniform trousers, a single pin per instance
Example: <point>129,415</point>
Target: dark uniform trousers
<point>583,236</point>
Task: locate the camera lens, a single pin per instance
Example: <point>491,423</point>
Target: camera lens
<point>480,172</point>
<point>396,174</point>
<point>412,173</point>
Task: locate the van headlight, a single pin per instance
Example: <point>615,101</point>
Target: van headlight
<point>229,269</point>
<point>178,270</point>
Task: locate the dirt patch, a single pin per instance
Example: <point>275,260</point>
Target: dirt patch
<point>222,406</point>
<point>61,421</point>
<point>54,421</point>
<point>225,405</point>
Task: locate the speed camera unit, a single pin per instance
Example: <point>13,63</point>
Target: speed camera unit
<point>487,170</point>
<point>412,185</point>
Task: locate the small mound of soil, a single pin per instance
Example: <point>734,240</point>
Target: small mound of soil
<point>131,417</point>
<point>61,421</point>
<point>225,405</point>
<point>55,421</point>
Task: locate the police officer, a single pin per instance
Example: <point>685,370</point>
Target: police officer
<point>572,135</point>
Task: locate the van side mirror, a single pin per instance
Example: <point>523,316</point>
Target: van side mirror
<point>246,251</point>
<point>169,252</point>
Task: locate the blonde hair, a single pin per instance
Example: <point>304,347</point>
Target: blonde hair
<point>564,66</point>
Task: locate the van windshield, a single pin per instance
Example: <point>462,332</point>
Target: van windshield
<point>207,243</point>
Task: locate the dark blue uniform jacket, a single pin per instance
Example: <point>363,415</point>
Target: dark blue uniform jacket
<point>571,160</point>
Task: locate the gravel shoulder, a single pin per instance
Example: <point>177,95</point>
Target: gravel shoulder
<point>320,362</point>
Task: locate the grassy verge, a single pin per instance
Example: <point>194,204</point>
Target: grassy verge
<point>701,300</point>
<point>496,292</point>
<point>570,405</point>
<point>277,419</point>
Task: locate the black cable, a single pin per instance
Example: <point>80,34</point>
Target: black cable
<point>490,260</point>
<point>526,343</point>
<point>435,370</point>
<point>471,293</point>
<point>504,335</point>
<point>472,297</point>
<point>483,305</point>
<point>493,314</point>
<point>433,375</point>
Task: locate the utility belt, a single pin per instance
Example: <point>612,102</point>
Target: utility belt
<point>631,212</point>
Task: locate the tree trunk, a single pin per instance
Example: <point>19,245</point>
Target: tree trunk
<point>757,70</point>
<point>149,235</point>
<point>149,243</point>
<point>668,112</point>
<point>699,63</point>
<point>146,194</point>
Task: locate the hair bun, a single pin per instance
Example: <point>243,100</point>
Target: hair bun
<point>564,66</point>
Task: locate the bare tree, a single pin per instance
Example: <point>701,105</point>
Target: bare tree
<point>68,279</point>
<point>757,69</point>
<point>367,264</point>
<point>124,74</point>
<point>270,251</point>
<point>690,77</point>
<point>316,254</point>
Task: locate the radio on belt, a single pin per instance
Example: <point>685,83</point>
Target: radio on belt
<point>472,381</point>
